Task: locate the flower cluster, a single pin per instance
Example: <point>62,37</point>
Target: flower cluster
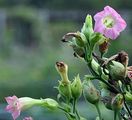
<point>114,74</point>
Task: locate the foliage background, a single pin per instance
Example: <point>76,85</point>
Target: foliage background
<point>30,44</point>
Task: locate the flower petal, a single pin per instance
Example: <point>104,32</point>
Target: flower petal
<point>10,100</point>
<point>111,33</point>
<point>99,27</point>
<point>15,114</point>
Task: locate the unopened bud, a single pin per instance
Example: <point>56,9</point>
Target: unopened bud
<point>50,103</point>
<point>76,36</point>
<point>90,92</point>
<point>80,39</point>
<point>87,28</point>
<point>117,102</point>
<point>116,70</point>
<point>76,87</point>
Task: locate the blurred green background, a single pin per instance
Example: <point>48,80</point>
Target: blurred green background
<point>30,44</point>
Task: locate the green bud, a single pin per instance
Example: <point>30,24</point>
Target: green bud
<point>65,90</point>
<point>62,69</point>
<point>90,92</point>
<point>117,70</point>
<point>76,87</point>
<point>117,102</point>
<point>76,36</point>
<point>80,39</point>
<point>87,28</point>
<point>50,103</point>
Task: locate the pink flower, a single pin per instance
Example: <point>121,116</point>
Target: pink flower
<point>109,23</point>
<point>16,105</point>
<point>28,118</point>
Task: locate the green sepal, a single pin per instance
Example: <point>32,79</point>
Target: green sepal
<point>65,90</point>
<point>87,28</point>
<point>76,87</point>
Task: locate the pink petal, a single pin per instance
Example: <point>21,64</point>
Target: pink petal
<point>15,114</point>
<point>99,27</point>
<point>10,100</point>
<point>99,15</point>
<point>120,25</point>
<point>9,108</point>
<point>111,33</point>
<point>110,10</point>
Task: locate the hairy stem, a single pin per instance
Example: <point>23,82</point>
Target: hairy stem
<point>98,110</point>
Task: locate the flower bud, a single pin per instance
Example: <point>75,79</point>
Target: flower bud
<point>76,36</point>
<point>76,87</point>
<point>116,70</point>
<point>87,28</point>
<point>65,90</point>
<point>50,103</point>
<point>62,69</point>
<point>90,92</point>
<point>80,39</point>
<point>117,102</point>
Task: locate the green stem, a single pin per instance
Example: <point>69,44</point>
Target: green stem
<point>100,78</point>
<point>66,113</point>
<point>119,116</point>
<point>115,115</point>
<point>98,110</point>
<point>78,115</point>
<point>74,105</point>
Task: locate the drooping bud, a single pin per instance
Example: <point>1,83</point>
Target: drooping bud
<point>76,87</point>
<point>87,28</point>
<point>81,39</point>
<point>117,102</point>
<point>91,94</point>
<point>62,69</point>
<point>76,36</point>
<point>116,70</point>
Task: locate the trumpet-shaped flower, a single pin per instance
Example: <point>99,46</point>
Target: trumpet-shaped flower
<point>109,23</point>
<point>16,105</point>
